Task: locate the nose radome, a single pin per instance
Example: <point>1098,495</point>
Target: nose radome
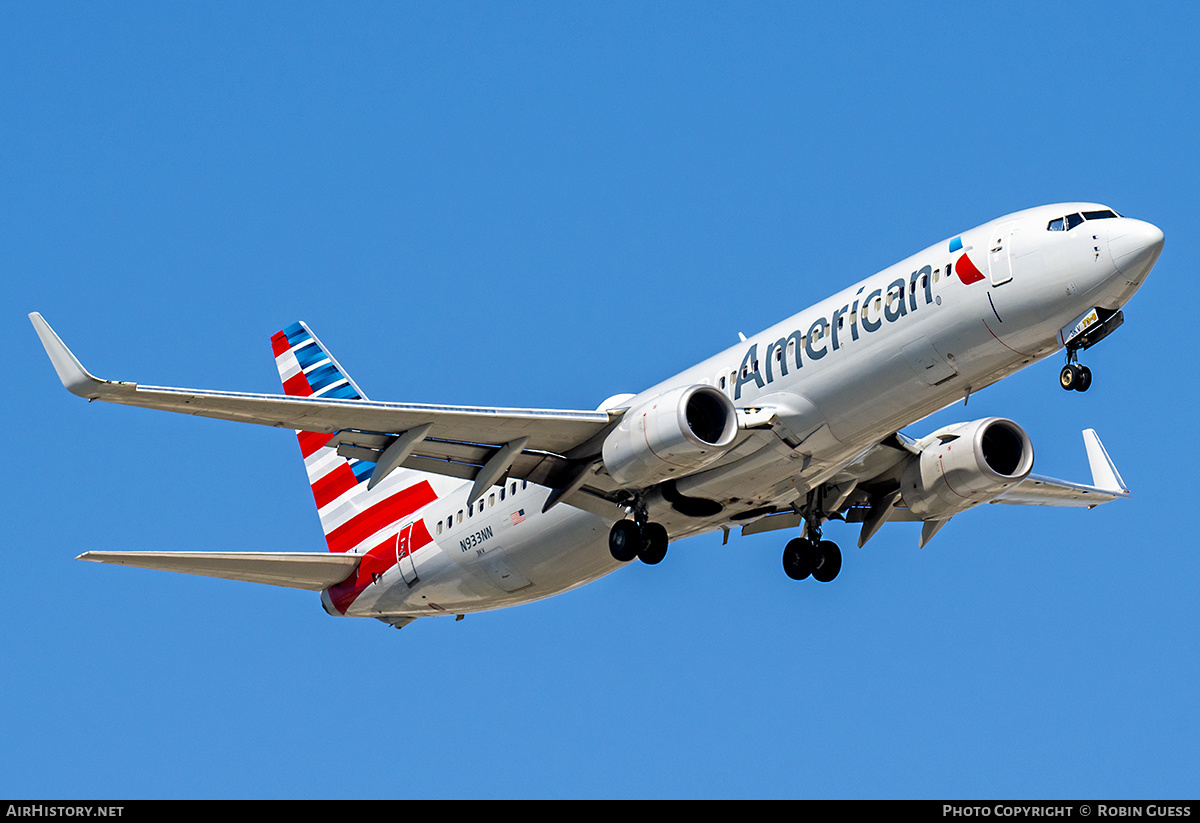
<point>1135,246</point>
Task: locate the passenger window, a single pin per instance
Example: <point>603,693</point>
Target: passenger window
<point>439,527</point>
<point>460,515</point>
<point>491,501</point>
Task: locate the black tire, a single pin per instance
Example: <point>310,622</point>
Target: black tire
<point>624,541</point>
<point>654,545</point>
<point>830,562</point>
<point>1068,378</point>
<point>797,559</point>
<point>1085,379</point>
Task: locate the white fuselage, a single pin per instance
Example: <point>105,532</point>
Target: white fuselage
<point>847,372</point>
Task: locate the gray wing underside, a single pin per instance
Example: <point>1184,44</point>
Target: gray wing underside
<point>552,447</point>
<point>877,498</point>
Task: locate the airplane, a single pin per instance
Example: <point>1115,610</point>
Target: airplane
<point>446,510</point>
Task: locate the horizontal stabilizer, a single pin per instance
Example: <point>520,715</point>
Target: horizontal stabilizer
<point>295,570</point>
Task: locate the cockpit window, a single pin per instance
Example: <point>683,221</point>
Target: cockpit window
<point>1072,220</point>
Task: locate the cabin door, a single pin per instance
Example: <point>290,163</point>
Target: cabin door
<point>404,554</point>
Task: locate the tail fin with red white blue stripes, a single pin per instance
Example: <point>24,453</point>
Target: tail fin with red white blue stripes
<point>307,369</point>
<point>354,518</point>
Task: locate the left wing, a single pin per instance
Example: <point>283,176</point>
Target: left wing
<point>868,491</point>
<point>1107,484</point>
<point>555,448</point>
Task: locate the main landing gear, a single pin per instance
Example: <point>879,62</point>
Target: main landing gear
<point>1073,375</point>
<point>647,543</point>
<point>809,554</point>
<point>820,558</point>
<point>638,538</point>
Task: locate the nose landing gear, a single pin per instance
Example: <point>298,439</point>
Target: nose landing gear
<point>1091,327</point>
<point>1073,375</point>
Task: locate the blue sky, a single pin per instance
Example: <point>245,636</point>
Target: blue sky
<point>544,204</point>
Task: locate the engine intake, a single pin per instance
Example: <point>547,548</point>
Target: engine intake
<point>964,465</point>
<point>671,435</point>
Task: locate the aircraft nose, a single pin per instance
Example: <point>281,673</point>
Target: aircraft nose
<point>1135,246</point>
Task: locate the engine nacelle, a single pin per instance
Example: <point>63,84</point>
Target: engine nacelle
<point>964,465</point>
<point>671,435</point>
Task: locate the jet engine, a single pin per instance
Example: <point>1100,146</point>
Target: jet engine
<point>671,435</point>
<point>964,465</point>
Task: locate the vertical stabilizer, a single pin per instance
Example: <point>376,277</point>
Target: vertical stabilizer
<point>353,517</point>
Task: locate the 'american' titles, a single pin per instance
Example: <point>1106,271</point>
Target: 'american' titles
<point>828,334</point>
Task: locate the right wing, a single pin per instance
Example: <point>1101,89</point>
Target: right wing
<point>555,448</point>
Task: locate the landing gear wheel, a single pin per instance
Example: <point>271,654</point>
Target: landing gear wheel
<point>1069,378</point>
<point>829,563</point>
<point>1085,379</point>
<point>654,544</point>
<point>797,558</point>
<point>624,540</point>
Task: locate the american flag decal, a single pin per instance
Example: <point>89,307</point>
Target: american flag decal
<point>518,516</point>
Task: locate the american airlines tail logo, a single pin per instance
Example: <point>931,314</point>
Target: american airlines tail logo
<point>967,271</point>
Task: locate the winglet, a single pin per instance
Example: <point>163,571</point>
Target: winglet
<point>1104,473</point>
<point>70,371</point>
